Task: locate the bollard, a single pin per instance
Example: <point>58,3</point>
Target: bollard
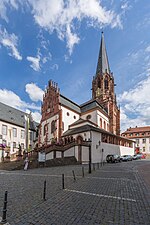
<point>44,192</point>
<point>82,171</point>
<point>63,181</point>
<point>97,165</point>
<point>74,177</point>
<point>4,220</point>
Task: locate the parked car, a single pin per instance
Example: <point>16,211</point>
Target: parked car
<point>130,158</point>
<point>126,158</point>
<point>141,156</point>
<point>135,157</point>
<point>113,158</point>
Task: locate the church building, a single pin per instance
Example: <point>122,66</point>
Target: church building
<point>67,129</point>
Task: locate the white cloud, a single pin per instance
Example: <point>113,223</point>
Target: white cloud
<point>10,98</point>
<point>136,102</point>
<point>10,41</point>
<point>59,16</point>
<point>147,49</point>
<point>3,7</point>
<point>55,67</point>
<point>35,93</point>
<point>36,116</point>
<point>35,62</point>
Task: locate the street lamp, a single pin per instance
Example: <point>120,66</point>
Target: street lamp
<point>102,157</point>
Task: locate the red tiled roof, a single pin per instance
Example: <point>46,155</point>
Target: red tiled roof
<point>137,129</point>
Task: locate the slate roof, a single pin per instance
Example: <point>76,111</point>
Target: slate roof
<point>84,128</point>
<point>90,105</point>
<point>70,104</point>
<point>88,127</point>
<point>103,64</point>
<point>80,129</point>
<point>14,116</point>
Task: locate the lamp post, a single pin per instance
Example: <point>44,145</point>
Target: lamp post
<point>102,157</point>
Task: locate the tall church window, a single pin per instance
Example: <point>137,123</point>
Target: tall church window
<point>100,122</point>
<point>62,125</point>
<point>53,126</point>
<point>99,83</point>
<point>104,125</point>
<point>45,129</point>
<point>107,127</point>
<point>106,83</point>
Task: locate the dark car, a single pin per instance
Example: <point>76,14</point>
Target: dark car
<point>113,158</point>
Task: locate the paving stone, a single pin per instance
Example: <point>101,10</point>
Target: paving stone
<point>115,194</point>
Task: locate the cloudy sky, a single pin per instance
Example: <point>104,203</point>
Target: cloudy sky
<point>59,40</point>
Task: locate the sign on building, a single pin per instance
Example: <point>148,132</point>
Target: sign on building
<point>42,157</point>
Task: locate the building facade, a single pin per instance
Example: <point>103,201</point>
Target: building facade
<point>141,136</point>
<point>97,120</point>
<point>17,130</point>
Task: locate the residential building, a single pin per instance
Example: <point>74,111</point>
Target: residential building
<point>141,136</point>
<point>16,129</point>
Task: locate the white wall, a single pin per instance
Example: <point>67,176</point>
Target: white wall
<point>126,150</point>
<point>95,118</point>
<point>97,154</point>
<point>85,154</point>
<point>49,155</point>
<point>58,154</point>
<point>100,115</point>
<point>68,119</point>
<point>69,152</point>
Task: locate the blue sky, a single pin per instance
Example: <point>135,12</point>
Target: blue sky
<point>59,40</point>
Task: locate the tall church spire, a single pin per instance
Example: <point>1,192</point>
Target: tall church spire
<point>103,64</point>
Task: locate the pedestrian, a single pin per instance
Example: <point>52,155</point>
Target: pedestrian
<point>26,163</point>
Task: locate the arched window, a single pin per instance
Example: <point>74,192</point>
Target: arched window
<point>100,122</point>
<point>107,127</point>
<point>104,125</point>
<point>53,126</point>
<point>106,83</point>
<point>79,139</point>
<point>45,129</point>
<point>62,125</point>
<point>99,83</point>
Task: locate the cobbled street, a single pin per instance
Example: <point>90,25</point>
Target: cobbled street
<point>113,194</point>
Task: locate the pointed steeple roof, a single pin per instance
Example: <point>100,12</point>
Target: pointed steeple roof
<point>103,64</point>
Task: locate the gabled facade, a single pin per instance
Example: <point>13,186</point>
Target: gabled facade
<point>15,131</point>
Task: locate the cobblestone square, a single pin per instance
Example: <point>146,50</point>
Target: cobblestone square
<point>114,194</point>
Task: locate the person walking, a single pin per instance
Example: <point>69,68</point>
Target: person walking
<point>26,163</point>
